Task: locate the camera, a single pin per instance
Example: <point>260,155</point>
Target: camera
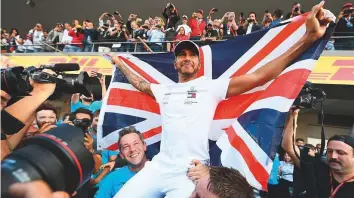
<point>348,12</point>
<point>309,96</point>
<point>296,9</point>
<point>84,124</point>
<point>57,157</point>
<point>16,80</point>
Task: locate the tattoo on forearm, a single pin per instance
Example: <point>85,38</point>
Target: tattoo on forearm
<point>136,81</point>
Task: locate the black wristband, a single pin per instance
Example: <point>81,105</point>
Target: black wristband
<point>3,136</point>
<point>9,124</point>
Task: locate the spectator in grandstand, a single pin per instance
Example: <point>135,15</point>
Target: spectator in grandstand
<point>133,147</point>
<point>318,148</point>
<point>155,37</point>
<point>251,23</point>
<point>28,45</point>
<point>81,101</point>
<point>229,25</point>
<point>119,34</point>
<point>48,44</point>
<point>171,16</point>
<point>277,16</point>
<point>90,35</point>
<point>181,36</point>
<point>104,36</point>
<point>5,41</point>
<point>76,45</point>
<point>267,19</point>
<point>38,38</point>
<point>345,27</point>
<point>187,29</point>
<point>286,169</point>
<point>139,31</point>
<point>209,34</point>
<point>56,34</point>
<point>16,41</point>
<point>295,11</point>
<point>197,25</point>
<point>66,39</point>
<point>218,182</point>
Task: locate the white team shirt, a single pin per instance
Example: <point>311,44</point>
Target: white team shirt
<point>187,111</point>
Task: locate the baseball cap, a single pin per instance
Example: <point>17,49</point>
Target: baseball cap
<point>184,16</point>
<point>186,45</point>
<point>343,138</point>
<point>200,11</point>
<point>347,5</point>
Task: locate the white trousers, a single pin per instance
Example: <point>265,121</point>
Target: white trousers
<point>156,180</point>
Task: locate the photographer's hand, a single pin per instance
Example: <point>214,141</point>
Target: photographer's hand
<point>88,142</point>
<point>35,189</point>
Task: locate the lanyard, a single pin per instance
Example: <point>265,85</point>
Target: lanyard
<point>333,193</point>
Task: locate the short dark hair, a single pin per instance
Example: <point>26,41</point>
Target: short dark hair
<point>47,106</point>
<point>96,113</point>
<point>310,146</point>
<point>45,31</point>
<point>66,115</point>
<point>229,183</point>
<point>299,139</point>
<point>295,3</point>
<point>252,13</point>
<point>278,13</point>
<point>129,130</point>
<point>81,110</point>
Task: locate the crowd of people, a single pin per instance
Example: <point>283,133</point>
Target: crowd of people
<point>159,33</point>
<point>121,171</point>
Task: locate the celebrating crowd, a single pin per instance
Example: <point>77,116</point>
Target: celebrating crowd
<point>159,33</point>
<point>299,170</point>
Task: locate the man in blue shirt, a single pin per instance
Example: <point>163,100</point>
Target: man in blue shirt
<point>132,148</point>
<point>155,36</point>
<point>81,101</point>
<point>278,14</point>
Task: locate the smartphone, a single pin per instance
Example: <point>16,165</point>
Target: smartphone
<point>267,11</point>
<point>99,75</point>
<point>215,9</point>
<point>241,14</point>
<point>109,15</point>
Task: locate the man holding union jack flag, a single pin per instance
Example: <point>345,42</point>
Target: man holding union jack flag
<point>188,107</point>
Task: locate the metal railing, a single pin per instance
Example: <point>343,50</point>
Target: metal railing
<point>336,43</point>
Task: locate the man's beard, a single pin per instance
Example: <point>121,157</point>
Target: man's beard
<point>186,74</point>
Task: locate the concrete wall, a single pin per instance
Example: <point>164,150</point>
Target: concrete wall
<point>308,127</point>
<point>15,13</point>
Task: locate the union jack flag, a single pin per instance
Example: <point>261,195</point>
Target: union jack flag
<point>247,129</point>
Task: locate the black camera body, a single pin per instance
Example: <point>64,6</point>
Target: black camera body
<point>16,80</point>
<point>58,157</point>
<point>309,96</point>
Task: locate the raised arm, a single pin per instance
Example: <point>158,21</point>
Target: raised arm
<point>135,80</point>
<point>316,24</point>
<point>287,143</point>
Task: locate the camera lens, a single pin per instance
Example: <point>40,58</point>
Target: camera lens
<point>58,157</point>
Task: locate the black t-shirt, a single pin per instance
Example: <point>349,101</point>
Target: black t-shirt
<point>212,33</point>
<point>316,172</point>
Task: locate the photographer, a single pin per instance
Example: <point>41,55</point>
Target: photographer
<point>229,27</point>
<point>333,177</point>
<point>120,35</point>
<point>251,24</point>
<point>20,114</point>
<point>345,27</point>
<point>295,11</point>
<point>81,101</point>
<point>90,35</point>
<point>197,25</point>
<point>170,13</point>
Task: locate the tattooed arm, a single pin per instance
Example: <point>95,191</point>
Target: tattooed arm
<point>135,80</point>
